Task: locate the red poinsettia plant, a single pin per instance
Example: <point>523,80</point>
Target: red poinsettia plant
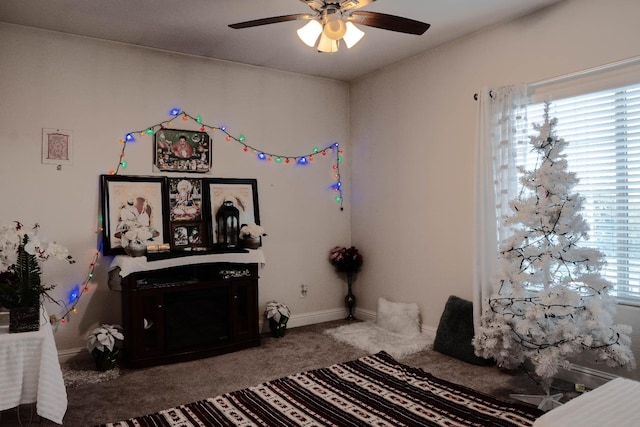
<point>347,260</point>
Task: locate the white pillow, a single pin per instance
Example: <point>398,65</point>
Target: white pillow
<point>398,317</point>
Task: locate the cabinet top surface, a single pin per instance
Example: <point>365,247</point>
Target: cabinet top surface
<point>129,265</point>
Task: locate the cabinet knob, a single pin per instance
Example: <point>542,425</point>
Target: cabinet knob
<point>235,297</point>
<point>159,305</point>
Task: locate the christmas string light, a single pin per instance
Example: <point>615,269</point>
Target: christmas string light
<point>75,295</point>
<point>262,155</point>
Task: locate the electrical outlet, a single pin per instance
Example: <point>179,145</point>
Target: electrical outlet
<point>303,290</point>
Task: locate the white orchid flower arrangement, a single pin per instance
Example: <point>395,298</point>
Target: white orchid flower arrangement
<point>251,231</point>
<point>22,251</point>
<point>104,338</point>
<point>277,311</point>
<point>15,236</point>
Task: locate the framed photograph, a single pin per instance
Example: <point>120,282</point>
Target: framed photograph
<point>182,151</point>
<point>187,235</point>
<point>185,199</point>
<point>242,192</point>
<point>133,208</point>
<point>57,146</point>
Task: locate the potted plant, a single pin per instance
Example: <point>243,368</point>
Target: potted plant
<point>278,315</point>
<point>251,235</point>
<point>21,289</point>
<point>104,343</point>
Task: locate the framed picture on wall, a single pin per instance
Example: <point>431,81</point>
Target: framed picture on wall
<point>57,146</point>
<point>188,235</point>
<point>133,208</point>
<point>185,199</point>
<point>178,150</point>
<point>242,192</point>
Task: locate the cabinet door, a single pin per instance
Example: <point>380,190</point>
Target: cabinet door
<point>144,329</point>
<point>244,308</point>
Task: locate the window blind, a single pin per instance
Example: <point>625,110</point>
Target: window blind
<point>603,134</point>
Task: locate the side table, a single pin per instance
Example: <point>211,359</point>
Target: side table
<point>30,371</point>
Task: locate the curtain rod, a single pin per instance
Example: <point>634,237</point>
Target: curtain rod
<point>594,70</point>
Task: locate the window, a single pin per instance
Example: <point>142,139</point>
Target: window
<point>603,134</point>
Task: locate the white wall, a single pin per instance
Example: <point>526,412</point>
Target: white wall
<point>102,90</point>
<point>413,131</point>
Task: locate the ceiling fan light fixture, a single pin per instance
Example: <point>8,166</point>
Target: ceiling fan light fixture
<point>327,45</point>
<point>309,32</point>
<point>335,27</point>
<point>353,35</point>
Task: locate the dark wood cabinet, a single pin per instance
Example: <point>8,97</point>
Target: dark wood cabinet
<point>189,312</point>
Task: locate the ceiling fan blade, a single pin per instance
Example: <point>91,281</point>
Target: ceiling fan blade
<point>389,22</point>
<point>272,20</point>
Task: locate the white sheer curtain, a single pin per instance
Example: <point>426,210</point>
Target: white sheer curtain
<point>502,125</point>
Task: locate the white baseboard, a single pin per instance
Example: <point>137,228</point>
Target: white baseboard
<point>72,353</point>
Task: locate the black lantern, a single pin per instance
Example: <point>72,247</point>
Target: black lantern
<point>228,220</point>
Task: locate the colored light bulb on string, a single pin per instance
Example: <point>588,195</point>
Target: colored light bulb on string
<point>174,111</point>
<point>150,131</point>
<point>316,149</point>
<point>228,138</point>
<point>74,294</point>
<point>302,161</point>
<point>241,138</point>
<point>129,138</point>
<point>261,156</point>
<point>124,164</point>
<point>278,160</point>
<point>199,119</point>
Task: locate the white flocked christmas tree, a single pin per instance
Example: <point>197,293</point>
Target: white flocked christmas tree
<point>550,302</point>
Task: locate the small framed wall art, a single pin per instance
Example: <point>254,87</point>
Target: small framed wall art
<point>57,146</point>
<point>188,235</point>
<point>178,150</point>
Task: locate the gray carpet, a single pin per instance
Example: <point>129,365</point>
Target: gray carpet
<point>138,392</point>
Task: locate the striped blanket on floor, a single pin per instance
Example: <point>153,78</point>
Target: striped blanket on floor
<point>375,390</point>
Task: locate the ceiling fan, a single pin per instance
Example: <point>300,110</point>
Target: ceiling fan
<point>333,20</point>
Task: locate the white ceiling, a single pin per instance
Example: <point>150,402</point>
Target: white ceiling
<point>200,27</point>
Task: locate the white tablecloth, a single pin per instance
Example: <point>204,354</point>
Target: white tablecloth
<point>128,265</point>
<point>612,404</point>
<point>30,371</point>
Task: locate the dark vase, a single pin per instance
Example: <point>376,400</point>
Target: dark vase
<point>250,242</point>
<point>350,299</point>
<point>105,360</point>
<point>278,329</point>
<point>24,319</point>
